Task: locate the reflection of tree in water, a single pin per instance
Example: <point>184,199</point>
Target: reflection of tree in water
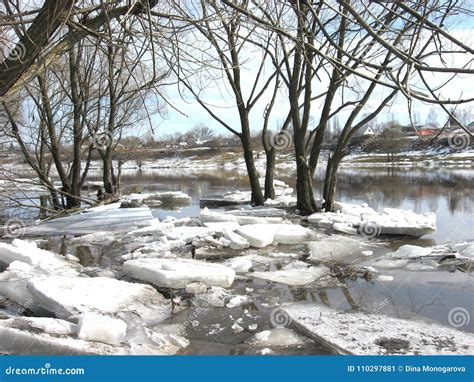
<point>453,201</point>
<point>322,296</point>
<point>418,186</point>
<point>84,254</point>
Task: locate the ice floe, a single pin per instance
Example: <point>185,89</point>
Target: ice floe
<point>68,296</point>
<point>262,235</point>
<point>28,252</point>
<point>50,336</point>
<point>239,264</point>
<point>100,328</point>
<point>335,248</point>
<point>294,277</point>
<point>177,273</point>
<point>363,334</point>
<point>276,337</point>
<point>103,218</point>
<point>350,218</point>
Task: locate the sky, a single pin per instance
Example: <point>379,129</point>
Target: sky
<point>187,113</point>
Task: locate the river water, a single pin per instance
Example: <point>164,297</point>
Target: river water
<point>449,192</point>
<point>429,294</point>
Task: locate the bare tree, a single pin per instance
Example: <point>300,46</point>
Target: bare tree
<point>217,41</point>
<point>39,35</point>
<point>360,47</point>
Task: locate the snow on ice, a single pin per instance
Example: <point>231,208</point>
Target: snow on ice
<point>350,218</point>
<point>177,273</point>
<point>360,333</point>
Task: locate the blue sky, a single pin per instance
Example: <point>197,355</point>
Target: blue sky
<point>191,113</point>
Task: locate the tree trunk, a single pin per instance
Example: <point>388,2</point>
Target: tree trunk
<point>330,180</point>
<point>257,195</point>
<point>304,183</point>
<point>73,201</point>
<point>270,173</point>
<point>107,173</point>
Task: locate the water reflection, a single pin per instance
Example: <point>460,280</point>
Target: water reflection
<point>448,192</point>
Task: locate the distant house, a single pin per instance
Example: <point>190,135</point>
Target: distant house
<point>365,132</point>
<point>410,130</point>
<point>428,132</point>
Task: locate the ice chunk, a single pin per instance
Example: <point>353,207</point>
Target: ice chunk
<point>334,249</point>
<point>36,336</point>
<point>258,212</point>
<point>281,201</point>
<point>41,336</point>
<point>100,328</point>
<point>410,252</point>
<point>177,273</point>
<point>238,301</point>
<point>239,264</point>
<point>276,337</point>
<point>262,235</point>
<point>296,265</point>
<point>293,234</point>
<point>384,278</point>
<point>237,328</point>
<point>389,263</point>
<point>47,325</point>
<point>353,209</point>
<point>468,251</point>
<point>371,334</point>
<point>27,252</point>
<point>372,224</point>
<point>215,297</point>
<point>345,228</point>
<point>258,235</point>
<point>103,218</point>
<point>235,241</point>
<point>15,284</point>
<point>207,216</point>
<point>222,226</point>
<point>188,234</point>
<point>295,277</point>
<point>196,288</point>
<point>167,197</point>
<point>68,296</point>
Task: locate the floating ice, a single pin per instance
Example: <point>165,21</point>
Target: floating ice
<point>262,235</point>
<point>410,252</point>
<point>334,248</point>
<point>177,273</point>
<point>371,334</point>
<point>370,223</point>
<point>295,277</point>
<point>103,218</point>
<point>239,264</point>
<point>99,328</point>
<point>27,252</point>
<point>276,337</point>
